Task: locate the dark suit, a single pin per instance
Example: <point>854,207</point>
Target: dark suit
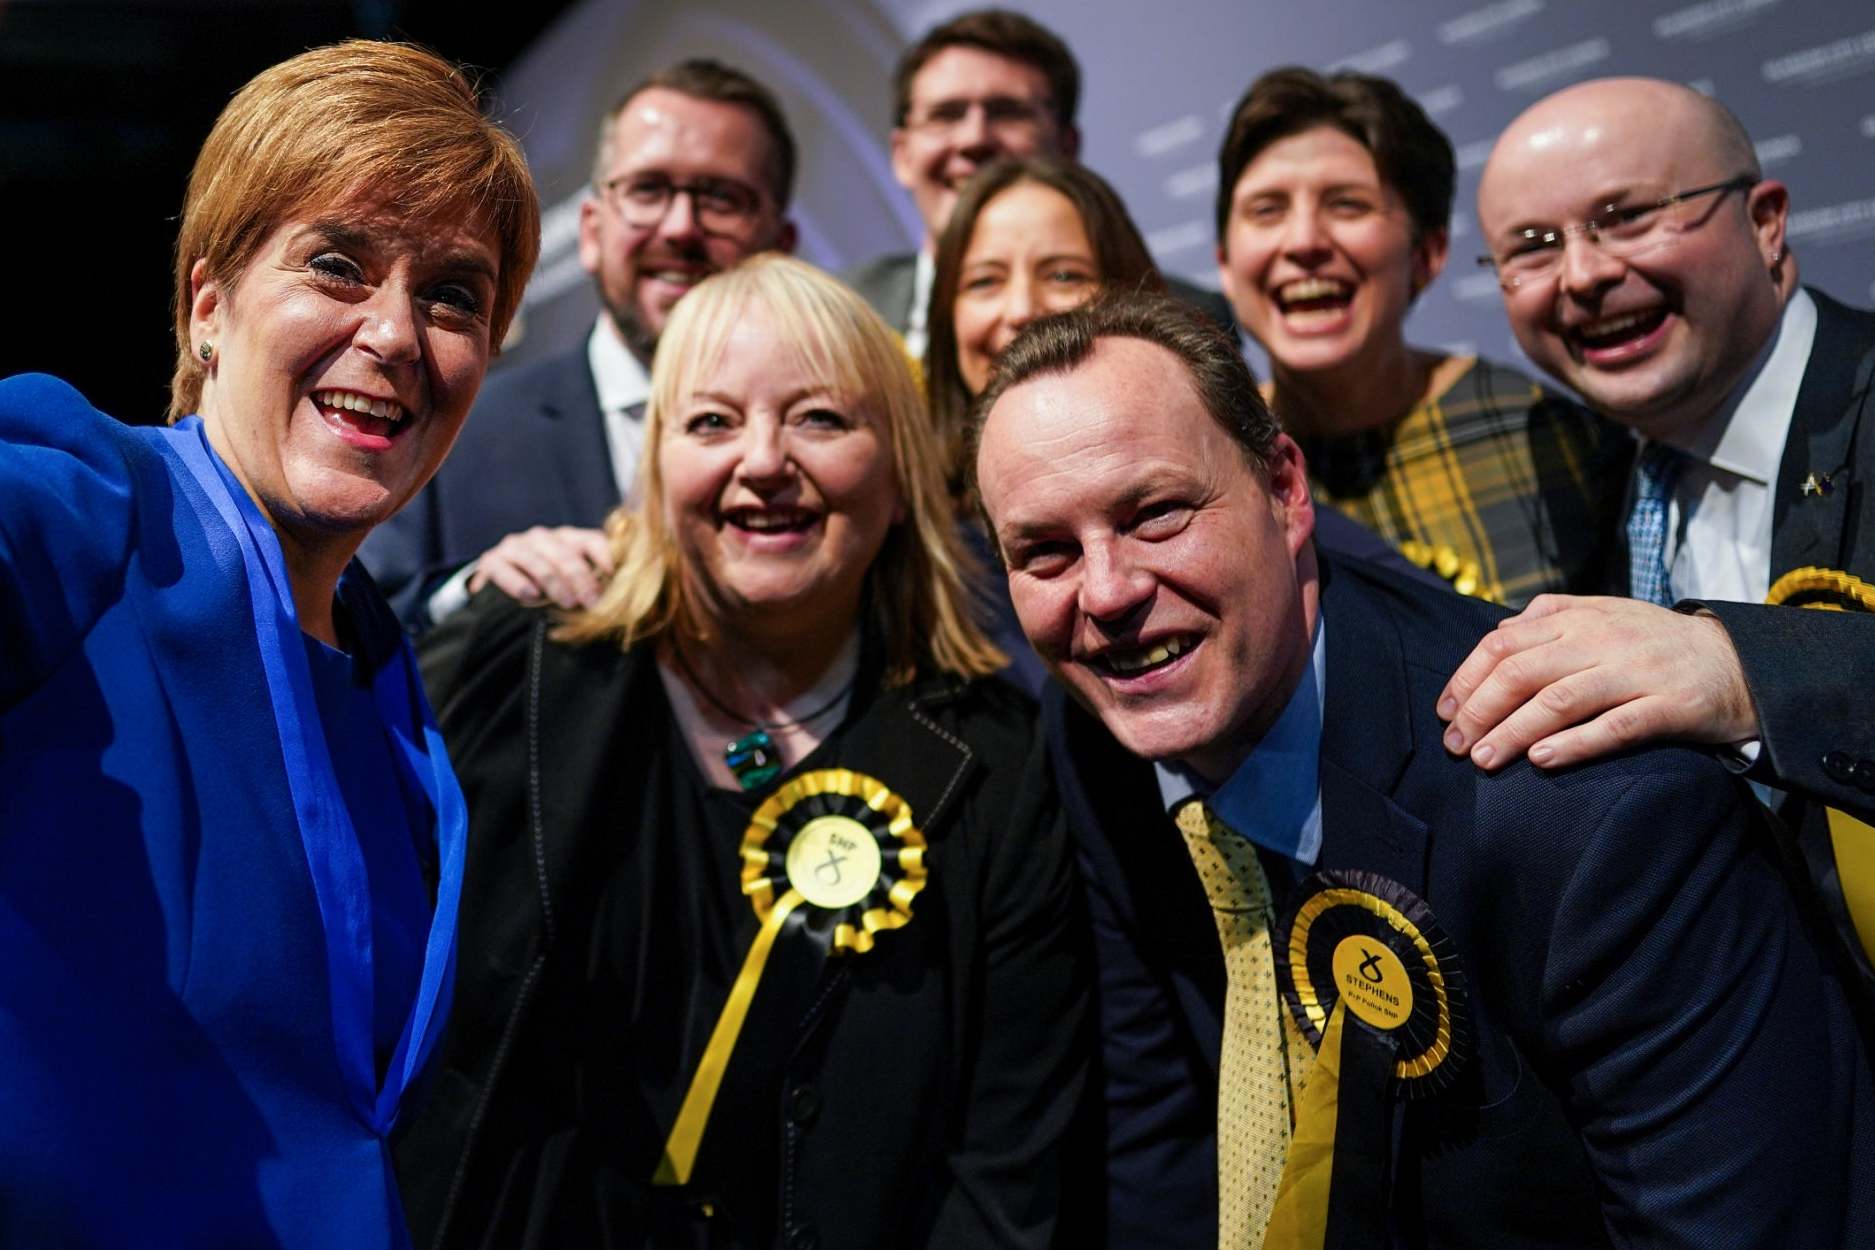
<point>1663,1053</point>
<point>888,284</point>
<point>1812,674</point>
<point>532,452</point>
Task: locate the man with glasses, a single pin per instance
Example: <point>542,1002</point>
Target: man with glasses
<point>693,172</point>
<point>986,84</point>
<point>1644,263</point>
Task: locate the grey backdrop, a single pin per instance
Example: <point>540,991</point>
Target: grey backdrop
<point>1160,77</point>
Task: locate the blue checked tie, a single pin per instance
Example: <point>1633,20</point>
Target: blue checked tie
<point>1654,475</point>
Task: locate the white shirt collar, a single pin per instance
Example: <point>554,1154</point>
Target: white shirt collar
<point>917,333</point>
<point>1746,436</point>
<point>616,374</point>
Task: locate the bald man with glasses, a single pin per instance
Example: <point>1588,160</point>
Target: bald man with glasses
<point>1644,263</point>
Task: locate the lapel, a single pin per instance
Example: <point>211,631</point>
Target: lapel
<point>1817,529</point>
<point>1130,851</point>
<point>1368,739</point>
<point>568,403</point>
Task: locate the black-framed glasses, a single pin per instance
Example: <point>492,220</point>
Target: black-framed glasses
<point>1001,113</point>
<point>1622,230</point>
<point>722,205</point>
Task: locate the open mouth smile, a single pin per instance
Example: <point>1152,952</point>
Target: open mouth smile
<point>360,418</point>
<point>1612,338</point>
<point>1129,662</point>
<point>1307,295</point>
<point>771,520</point>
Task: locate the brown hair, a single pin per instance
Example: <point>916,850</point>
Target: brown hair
<point>703,78</point>
<point>917,583</point>
<point>1006,34</point>
<point>352,121</point>
<point>1412,155</point>
<point>1214,364</point>
<point>1119,251</point>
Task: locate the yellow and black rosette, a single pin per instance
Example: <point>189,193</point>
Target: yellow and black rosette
<point>846,845</point>
<point>1374,985</point>
<point>1370,942</point>
<point>1852,841</point>
<point>1464,575</point>
<point>842,849</point>
<point>1830,589</point>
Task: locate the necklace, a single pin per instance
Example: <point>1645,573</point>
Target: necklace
<point>753,759</point>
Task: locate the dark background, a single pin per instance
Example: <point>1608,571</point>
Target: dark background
<point>102,108</point>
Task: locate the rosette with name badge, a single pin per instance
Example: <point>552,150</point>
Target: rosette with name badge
<point>1374,985</point>
<point>842,850</point>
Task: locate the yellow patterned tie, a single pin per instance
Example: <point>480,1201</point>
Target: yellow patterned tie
<point>1252,1080</point>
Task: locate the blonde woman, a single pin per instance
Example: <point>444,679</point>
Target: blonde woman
<point>766,925</point>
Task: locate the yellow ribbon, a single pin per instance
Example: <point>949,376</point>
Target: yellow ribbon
<point>1853,843</point>
<point>680,1149</point>
<point>1300,1219</point>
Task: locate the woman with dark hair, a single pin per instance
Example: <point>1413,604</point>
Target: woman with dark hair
<point>1333,209</point>
<point>230,841</point>
<point>1028,236</point>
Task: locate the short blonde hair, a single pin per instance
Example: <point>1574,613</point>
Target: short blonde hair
<point>918,582</point>
<point>360,118</point>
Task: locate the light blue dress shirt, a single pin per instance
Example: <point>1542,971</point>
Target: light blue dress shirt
<point>1275,796</point>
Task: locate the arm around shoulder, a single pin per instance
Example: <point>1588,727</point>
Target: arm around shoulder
<point>1812,679</point>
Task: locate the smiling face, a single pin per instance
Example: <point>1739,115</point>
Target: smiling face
<point>642,271</point>
<point>345,359</point>
<point>1658,340</point>
<point>1028,256</point>
<point>1160,577</point>
<point>1319,258</point>
<point>778,491</point>
<point>967,107</point>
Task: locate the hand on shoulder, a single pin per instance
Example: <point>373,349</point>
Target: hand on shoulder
<point>1574,678</point>
<point>564,565</point>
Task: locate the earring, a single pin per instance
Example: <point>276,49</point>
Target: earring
<point>206,351</point>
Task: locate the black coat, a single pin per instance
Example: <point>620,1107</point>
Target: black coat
<point>1664,1053</point>
<point>928,1082</point>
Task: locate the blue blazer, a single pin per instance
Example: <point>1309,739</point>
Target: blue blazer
<point>532,452</point>
<point>169,1070</point>
<point>1665,1051</point>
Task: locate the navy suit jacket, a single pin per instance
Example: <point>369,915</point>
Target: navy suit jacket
<point>532,452</point>
<point>1665,1053</point>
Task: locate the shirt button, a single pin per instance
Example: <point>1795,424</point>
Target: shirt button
<point>1839,766</point>
<point>803,1105</point>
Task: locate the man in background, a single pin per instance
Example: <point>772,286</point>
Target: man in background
<point>986,84</point>
<point>693,172</point>
<point>1644,263</point>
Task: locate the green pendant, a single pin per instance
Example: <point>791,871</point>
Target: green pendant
<point>753,760</point>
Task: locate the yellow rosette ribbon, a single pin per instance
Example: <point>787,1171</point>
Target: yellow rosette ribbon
<point>1373,985</point>
<point>831,840</point>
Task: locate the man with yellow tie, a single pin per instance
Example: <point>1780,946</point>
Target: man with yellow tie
<point>1353,991</point>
